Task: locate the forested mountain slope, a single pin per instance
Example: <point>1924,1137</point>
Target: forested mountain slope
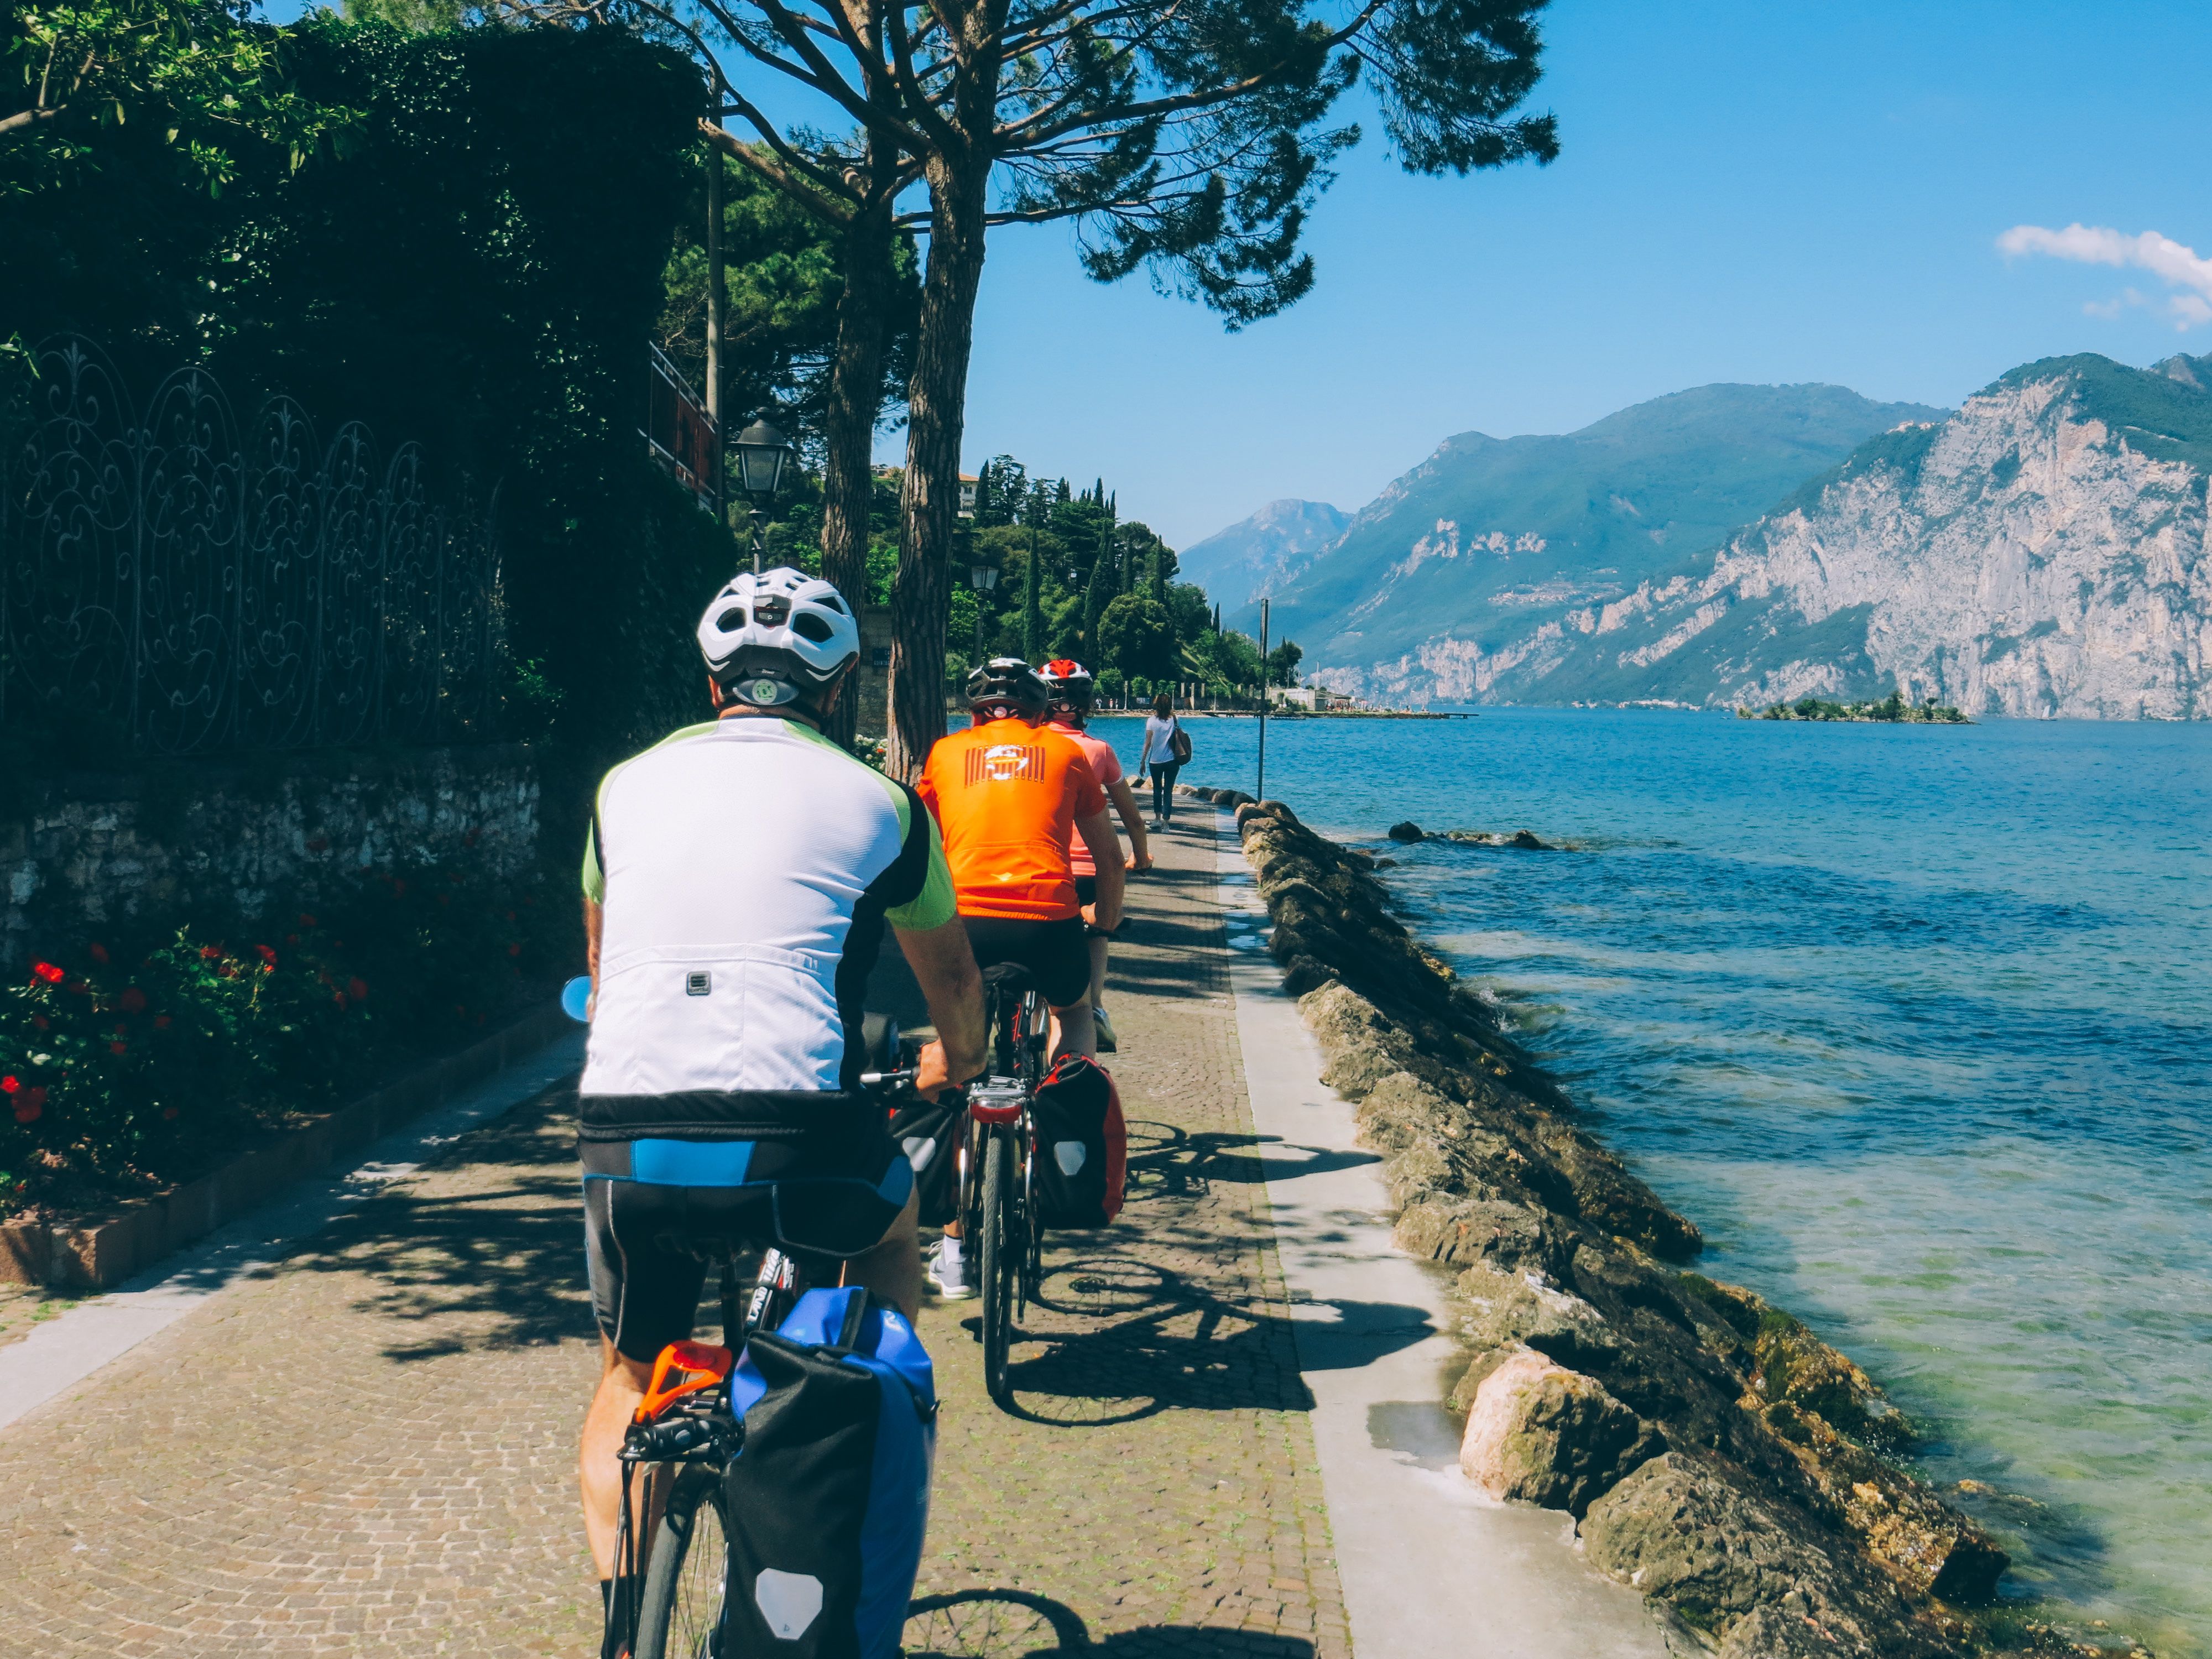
<point>1491,539</point>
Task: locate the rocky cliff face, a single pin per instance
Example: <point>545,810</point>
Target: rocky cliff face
<point>2041,552</point>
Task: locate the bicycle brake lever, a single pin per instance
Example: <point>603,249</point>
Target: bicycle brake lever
<point>889,1079</point>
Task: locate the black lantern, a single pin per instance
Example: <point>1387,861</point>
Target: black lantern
<point>763,454</point>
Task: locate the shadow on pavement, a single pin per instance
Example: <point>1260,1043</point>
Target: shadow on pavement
<point>998,1623</point>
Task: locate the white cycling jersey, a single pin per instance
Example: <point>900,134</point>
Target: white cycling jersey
<point>747,866</point>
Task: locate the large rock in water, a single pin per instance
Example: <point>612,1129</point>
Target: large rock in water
<point>1542,1434</point>
<point>1407,832</point>
<point>1751,1577</point>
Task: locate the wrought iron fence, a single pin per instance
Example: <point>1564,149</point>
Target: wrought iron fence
<point>225,587</point>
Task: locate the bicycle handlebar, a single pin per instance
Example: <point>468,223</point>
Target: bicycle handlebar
<point>889,1079</point>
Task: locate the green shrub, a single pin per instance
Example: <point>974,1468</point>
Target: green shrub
<point>124,1065</point>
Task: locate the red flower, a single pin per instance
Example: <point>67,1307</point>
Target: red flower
<point>357,989</point>
<point>47,971</point>
<point>338,997</point>
<point>268,956</point>
<point>132,1001</point>
<point>516,949</point>
<point>98,953</point>
<point>31,1106</point>
<point>306,920</point>
<point>118,1048</point>
<point>160,1022</point>
<point>210,952</point>
<point>9,1085</point>
<point>169,1114</point>
<point>42,1022</point>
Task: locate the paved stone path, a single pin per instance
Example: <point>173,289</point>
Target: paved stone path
<point>369,1448</point>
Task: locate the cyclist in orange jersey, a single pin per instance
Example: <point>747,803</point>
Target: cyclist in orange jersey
<point>1012,796</point>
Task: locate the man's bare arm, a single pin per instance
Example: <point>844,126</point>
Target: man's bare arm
<point>595,925</point>
<point>953,987</point>
<point>1132,820</point>
<point>1097,833</point>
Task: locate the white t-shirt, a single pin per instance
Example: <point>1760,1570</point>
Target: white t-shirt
<point>1159,742</point>
<point>746,867</point>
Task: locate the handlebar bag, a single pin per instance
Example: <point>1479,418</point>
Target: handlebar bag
<point>1083,1145</point>
<point>827,1502</point>
<point>929,1135</point>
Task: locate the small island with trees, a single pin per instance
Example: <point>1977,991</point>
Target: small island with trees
<point>1893,707</point>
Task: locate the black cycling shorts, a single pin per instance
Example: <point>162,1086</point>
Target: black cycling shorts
<point>1056,953</point>
<point>650,1204</point>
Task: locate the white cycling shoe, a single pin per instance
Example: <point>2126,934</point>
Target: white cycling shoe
<point>947,1271</point>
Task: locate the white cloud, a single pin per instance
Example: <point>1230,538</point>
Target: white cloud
<point>2178,266</point>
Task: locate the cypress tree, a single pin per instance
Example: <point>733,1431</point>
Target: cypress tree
<point>1032,603</point>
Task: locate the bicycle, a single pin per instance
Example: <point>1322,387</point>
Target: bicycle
<point>998,1166</point>
<point>685,1424</point>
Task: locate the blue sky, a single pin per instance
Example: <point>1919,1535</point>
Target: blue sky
<point>1754,192</point>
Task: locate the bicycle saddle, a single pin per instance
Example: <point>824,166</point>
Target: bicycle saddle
<point>1009,976</point>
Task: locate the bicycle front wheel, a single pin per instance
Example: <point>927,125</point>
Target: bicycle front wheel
<point>996,1265</point>
<point>682,1614</point>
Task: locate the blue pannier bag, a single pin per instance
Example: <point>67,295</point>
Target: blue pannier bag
<point>827,1501</point>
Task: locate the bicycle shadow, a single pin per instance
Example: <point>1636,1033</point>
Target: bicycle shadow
<point>986,1624</point>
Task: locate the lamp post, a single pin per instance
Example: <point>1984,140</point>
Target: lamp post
<point>763,452</point>
<point>982,577</point>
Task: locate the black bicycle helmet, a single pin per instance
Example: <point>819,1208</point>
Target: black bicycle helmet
<point>1069,685</point>
<point>1005,686</point>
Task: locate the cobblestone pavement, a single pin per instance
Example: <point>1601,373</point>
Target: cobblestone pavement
<point>369,1449</point>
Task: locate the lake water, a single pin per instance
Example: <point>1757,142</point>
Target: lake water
<point>1915,1022</point>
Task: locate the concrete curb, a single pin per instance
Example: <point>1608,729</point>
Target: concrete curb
<point>101,1254</point>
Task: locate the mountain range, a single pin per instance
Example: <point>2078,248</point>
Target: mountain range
<point>2038,551</point>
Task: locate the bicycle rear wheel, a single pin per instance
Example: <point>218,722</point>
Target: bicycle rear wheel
<point>996,1265</point>
<point>682,1614</point>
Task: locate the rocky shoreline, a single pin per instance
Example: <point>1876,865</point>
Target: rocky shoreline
<point>1716,1454</point>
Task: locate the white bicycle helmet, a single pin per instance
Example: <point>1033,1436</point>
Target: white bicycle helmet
<point>778,638</point>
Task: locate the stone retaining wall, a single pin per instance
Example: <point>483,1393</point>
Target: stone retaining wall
<point>1716,1454</point>
<point>229,837</point>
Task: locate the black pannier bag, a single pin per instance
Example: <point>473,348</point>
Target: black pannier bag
<point>929,1135</point>
<point>827,1501</point>
<point>1083,1145</point>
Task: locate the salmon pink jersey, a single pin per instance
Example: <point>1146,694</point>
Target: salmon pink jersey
<point>1006,796</point>
<point>1106,767</point>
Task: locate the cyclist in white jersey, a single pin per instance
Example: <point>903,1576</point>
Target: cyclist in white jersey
<point>737,880</point>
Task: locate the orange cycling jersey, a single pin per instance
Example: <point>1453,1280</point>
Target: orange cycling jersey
<point>1006,796</point>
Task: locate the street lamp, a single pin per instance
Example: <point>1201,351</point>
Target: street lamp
<point>982,577</point>
<point>763,452</point>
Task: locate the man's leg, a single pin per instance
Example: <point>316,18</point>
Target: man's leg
<point>1098,970</point>
<point>892,1270</point>
<point>622,1386</point>
<point>1073,1032</point>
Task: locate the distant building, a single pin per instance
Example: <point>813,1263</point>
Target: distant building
<point>968,483</point>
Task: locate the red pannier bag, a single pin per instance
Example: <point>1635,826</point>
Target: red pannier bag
<point>1083,1145</point>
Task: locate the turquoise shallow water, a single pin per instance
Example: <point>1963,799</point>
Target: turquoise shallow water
<point>1916,1023</point>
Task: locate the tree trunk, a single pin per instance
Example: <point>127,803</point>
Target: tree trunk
<point>929,506</point>
<point>848,484</point>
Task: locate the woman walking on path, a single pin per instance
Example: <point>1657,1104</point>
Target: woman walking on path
<point>1162,730</point>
